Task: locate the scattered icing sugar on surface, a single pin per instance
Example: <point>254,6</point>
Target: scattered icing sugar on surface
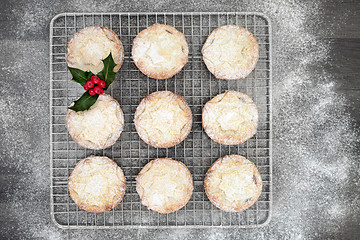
<point>315,166</point>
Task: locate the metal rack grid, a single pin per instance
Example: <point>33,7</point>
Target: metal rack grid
<point>196,84</point>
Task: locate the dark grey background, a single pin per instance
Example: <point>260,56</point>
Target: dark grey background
<point>24,122</point>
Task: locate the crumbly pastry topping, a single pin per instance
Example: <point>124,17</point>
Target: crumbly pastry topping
<point>230,52</point>
<point>160,51</point>
<point>97,184</point>
<point>163,119</point>
<point>233,183</point>
<point>164,185</point>
<point>90,45</point>
<point>100,126</point>
<point>230,118</point>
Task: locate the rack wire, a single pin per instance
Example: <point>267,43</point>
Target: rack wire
<point>196,84</point>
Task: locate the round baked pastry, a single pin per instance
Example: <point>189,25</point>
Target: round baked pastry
<point>163,119</point>
<point>99,127</point>
<point>233,183</point>
<point>164,185</point>
<point>160,51</point>
<point>230,118</point>
<point>230,52</point>
<point>92,44</point>
<point>97,184</point>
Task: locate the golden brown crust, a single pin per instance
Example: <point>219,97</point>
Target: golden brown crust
<point>164,185</point>
<point>230,118</point>
<point>163,119</point>
<point>160,51</point>
<point>230,52</point>
<point>233,183</point>
<point>99,127</point>
<point>97,184</point>
<point>92,44</point>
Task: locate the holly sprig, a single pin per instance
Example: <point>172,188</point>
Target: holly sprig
<point>82,77</point>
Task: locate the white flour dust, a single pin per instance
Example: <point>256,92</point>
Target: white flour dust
<point>313,154</point>
<point>313,149</point>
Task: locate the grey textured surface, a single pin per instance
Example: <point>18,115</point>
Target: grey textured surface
<point>316,99</point>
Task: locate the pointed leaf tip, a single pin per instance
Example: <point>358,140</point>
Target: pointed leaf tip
<point>84,102</point>
<point>108,74</point>
<point>80,76</point>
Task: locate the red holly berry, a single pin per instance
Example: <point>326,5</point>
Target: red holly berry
<point>95,79</point>
<point>90,84</point>
<point>92,92</point>
<point>98,90</point>
<point>102,84</point>
<point>86,87</point>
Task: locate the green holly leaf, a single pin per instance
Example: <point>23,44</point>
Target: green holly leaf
<point>84,102</point>
<point>108,74</point>
<point>80,76</point>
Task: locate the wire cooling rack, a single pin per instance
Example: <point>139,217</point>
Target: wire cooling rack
<point>196,84</point>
